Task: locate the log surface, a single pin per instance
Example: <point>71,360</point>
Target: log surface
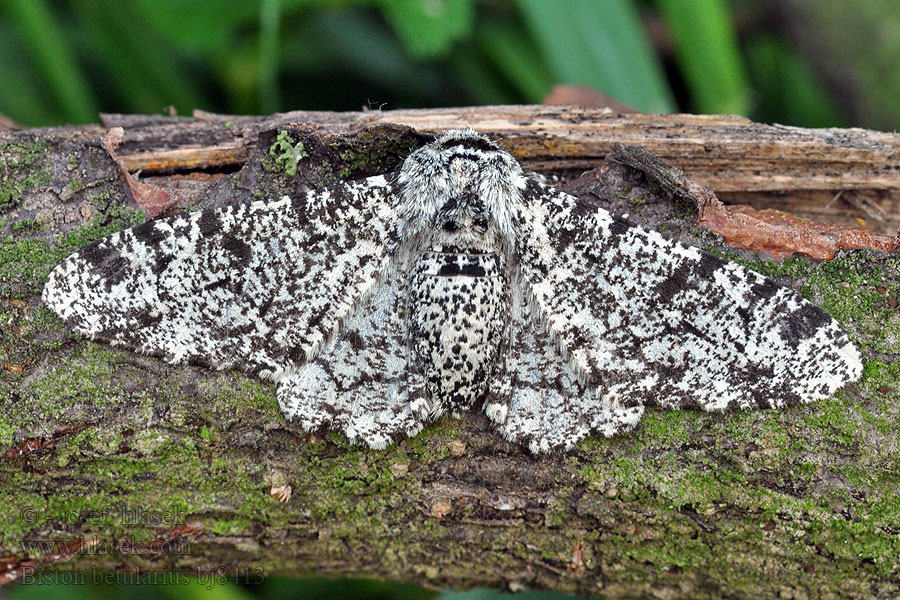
<point>113,460</point>
<point>838,175</point>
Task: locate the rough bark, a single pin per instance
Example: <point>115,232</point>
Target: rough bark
<point>111,460</point>
<point>833,174</point>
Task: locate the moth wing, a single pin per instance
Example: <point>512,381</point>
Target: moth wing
<point>367,383</point>
<point>261,286</point>
<point>538,399</point>
<point>649,320</point>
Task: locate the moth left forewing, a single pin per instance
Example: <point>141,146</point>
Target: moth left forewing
<point>648,320</point>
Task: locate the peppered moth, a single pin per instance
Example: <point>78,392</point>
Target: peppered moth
<point>458,280</point>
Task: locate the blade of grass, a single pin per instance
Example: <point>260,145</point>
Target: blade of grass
<point>428,29</point>
<point>707,52</point>
<point>359,42</point>
<point>54,59</point>
<point>148,70</point>
<point>199,26</point>
<point>269,24</point>
<point>602,45</point>
<point>516,57</point>
<point>476,76</point>
<point>21,98</point>
<point>788,91</point>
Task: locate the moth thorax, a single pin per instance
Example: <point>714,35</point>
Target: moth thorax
<point>459,311</point>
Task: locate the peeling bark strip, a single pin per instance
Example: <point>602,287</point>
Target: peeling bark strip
<point>799,502</point>
<point>775,233</point>
<point>807,168</point>
<point>725,153</point>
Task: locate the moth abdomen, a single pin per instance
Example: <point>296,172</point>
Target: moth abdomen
<point>457,299</point>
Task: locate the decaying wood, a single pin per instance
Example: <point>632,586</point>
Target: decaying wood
<point>774,232</point>
<point>111,460</point>
<point>742,161</point>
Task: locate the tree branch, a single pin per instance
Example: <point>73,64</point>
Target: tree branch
<point>112,460</point>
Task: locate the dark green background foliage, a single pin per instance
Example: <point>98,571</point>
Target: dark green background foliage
<point>801,62</point>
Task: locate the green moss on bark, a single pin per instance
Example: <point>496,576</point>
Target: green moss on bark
<point>95,437</point>
<point>22,167</point>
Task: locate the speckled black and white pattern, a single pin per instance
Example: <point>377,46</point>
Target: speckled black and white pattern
<point>367,383</point>
<point>261,287</point>
<point>650,321</point>
<point>458,308</point>
<point>455,282</point>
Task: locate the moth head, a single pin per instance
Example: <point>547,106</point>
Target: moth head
<point>462,176</point>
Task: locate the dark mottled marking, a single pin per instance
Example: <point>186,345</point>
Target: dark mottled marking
<point>146,320</point>
<point>813,316</point>
<point>766,289</point>
<point>708,265</point>
<point>265,306</point>
<point>619,226</point>
<point>666,289</point>
<point>356,341</point>
<point>100,255</point>
<point>219,283</point>
<point>297,354</point>
<point>148,233</point>
<point>238,248</point>
<point>162,264</point>
<point>208,223</point>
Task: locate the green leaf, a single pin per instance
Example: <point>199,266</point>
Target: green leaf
<point>707,52</point>
<point>428,27</point>
<point>146,75</point>
<point>602,45</point>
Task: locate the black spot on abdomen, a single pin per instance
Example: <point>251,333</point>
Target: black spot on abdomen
<point>468,269</point>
